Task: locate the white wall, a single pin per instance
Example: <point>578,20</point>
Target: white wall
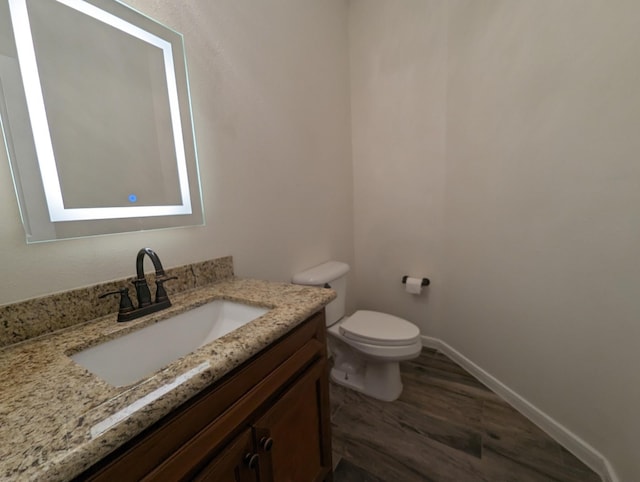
<point>543,209</point>
<point>539,266</point>
<point>270,87</point>
<point>398,80</point>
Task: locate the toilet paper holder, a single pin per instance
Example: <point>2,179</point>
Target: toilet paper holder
<point>425,281</point>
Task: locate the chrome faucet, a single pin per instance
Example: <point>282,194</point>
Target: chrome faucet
<point>145,306</point>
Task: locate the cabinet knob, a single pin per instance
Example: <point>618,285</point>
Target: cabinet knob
<point>251,460</point>
<point>266,443</point>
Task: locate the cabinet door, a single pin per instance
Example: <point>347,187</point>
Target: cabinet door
<point>238,462</point>
<point>289,436</point>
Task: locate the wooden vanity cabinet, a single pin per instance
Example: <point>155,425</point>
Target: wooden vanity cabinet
<point>266,421</point>
<point>282,445</point>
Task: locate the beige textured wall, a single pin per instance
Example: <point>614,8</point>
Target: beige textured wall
<point>270,88</point>
<point>539,263</point>
<point>398,80</point>
<point>543,209</point>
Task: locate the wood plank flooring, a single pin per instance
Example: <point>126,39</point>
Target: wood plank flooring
<point>446,426</point>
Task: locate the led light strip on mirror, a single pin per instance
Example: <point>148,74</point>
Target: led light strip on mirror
<point>39,123</point>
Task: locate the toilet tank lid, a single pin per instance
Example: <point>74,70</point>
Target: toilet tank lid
<point>321,274</point>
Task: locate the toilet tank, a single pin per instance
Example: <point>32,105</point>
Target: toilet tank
<point>334,274</point>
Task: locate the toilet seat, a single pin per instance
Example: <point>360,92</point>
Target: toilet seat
<point>380,329</point>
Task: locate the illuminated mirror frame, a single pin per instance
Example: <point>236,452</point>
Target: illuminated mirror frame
<point>88,221</point>
<point>40,126</point>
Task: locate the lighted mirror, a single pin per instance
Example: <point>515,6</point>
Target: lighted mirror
<point>96,118</point>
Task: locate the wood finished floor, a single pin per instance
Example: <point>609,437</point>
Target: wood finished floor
<point>446,426</point>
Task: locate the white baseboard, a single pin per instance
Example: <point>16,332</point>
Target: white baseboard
<point>574,444</point>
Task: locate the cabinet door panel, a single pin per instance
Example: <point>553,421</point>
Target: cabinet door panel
<point>293,424</point>
<point>231,465</point>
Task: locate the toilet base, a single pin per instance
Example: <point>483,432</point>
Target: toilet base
<point>378,380</point>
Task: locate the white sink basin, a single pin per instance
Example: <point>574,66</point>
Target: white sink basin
<point>137,355</point>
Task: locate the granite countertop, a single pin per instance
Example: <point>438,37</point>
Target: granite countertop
<point>59,419</point>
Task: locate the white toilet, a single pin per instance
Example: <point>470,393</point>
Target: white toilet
<point>367,345</point>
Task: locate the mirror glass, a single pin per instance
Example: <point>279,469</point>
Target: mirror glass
<point>96,118</point>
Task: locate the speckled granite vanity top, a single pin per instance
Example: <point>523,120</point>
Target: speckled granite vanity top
<point>57,419</point>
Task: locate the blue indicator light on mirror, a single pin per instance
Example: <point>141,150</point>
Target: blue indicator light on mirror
<point>133,198</point>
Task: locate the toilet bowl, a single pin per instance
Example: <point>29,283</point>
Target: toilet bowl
<point>366,346</point>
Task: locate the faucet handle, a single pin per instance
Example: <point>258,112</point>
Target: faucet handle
<point>125,302</point>
<point>161,293</point>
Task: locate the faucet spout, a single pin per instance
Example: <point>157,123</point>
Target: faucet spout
<point>145,304</point>
<point>142,289</point>
<point>157,264</point>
